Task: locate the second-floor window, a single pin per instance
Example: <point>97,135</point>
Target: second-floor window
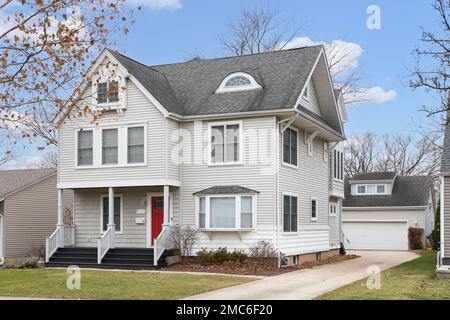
<point>85,148</point>
<point>136,147</point>
<point>338,158</point>
<point>110,146</point>
<point>225,144</point>
<point>290,147</point>
<point>107,92</point>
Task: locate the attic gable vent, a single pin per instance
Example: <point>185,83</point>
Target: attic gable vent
<point>238,81</point>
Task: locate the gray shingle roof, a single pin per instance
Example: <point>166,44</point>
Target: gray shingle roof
<point>225,190</point>
<point>188,88</point>
<point>445,160</point>
<point>374,176</point>
<point>407,191</point>
<point>12,180</point>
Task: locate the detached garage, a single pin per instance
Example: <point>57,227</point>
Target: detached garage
<point>380,207</point>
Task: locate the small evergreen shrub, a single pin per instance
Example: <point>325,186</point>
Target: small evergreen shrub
<point>220,256</point>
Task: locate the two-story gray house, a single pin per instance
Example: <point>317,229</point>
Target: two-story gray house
<point>243,148</point>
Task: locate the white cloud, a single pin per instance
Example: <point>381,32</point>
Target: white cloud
<point>373,95</point>
<point>342,55</point>
<point>157,4</point>
<point>26,162</point>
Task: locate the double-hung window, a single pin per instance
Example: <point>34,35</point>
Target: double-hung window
<point>136,145</point>
<point>225,143</point>
<point>226,212</point>
<point>290,209</point>
<point>338,158</point>
<point>313,210</point>
<point>117,212</point>
<point>290,146</point>
<point>107,92</point>
<point>333,207</point>
<point>85,148</point>
<point>110,146</point>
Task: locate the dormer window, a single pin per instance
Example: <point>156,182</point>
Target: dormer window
<point>107,92</point>
<point>371,189</point>
<point>238,81</point>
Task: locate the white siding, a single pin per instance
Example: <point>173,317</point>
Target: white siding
<point>256,172</point>
<point>335,226</point>
<point>310,179</point>
<point>140,111</point>
<point>312,103</point>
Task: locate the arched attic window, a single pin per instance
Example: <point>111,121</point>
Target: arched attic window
<point>238,81</point>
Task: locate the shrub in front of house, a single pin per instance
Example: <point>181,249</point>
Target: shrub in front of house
<point>25,263</point>
<point>220,256</point>
<point>415,238</point>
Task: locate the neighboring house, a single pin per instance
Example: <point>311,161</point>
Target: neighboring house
<point>27,211</point>
<point>443,263</point>
<point>380,207</point>
<point>243,148</point>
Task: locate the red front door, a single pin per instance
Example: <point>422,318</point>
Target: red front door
<point>157,216</point>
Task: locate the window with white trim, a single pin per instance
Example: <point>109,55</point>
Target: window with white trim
<point>85,153</point>
<point>136,145</point>
<point>238,81</point>
<point>225,143</point>
<point>226,212</point>
<point>333,208</point>
<point>110,146</point>
<point>313,210</point>
<point>107,92</point>
<point>371,189</point>
<point>117,212</point>
<point>338,165</point>
<point>290,146</point>
<point>290,210</point>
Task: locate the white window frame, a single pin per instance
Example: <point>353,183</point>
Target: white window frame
<point>109,105</point>
<point>241,144</point>
<point>314,219</point>
<point>237,220</point>
<point>325,151</point>
<point>289,194</point>
<point>97,133</point>
<point>77,132</point>
<point>332,205</point>
<point>366,186</point>
<point>252,86</point>
<point>121,212</point>
<point>287,164</point>
<point>305,94</point>
<point>118,146</point>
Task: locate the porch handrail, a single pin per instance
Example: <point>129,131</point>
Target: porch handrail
<point>69,235</point>
<point>161,243</point>
<point>104,244</point>
<point>53,242</point>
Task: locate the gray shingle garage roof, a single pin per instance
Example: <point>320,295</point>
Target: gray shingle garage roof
<point>407,191</point>
<point>373,176</point>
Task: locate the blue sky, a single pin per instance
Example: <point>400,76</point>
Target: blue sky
<point>174,30</point>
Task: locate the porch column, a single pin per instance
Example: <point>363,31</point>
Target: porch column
<point>166,206</point>
<point>59,218</point>
<point>111,224</point>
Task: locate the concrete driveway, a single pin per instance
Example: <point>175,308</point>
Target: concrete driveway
<point>310,283</point>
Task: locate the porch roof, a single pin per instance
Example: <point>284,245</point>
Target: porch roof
<point>234,189</point>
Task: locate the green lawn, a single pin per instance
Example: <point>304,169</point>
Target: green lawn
<point>110,284</point>
<point>411,280</point>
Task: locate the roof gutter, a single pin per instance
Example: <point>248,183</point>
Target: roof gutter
<point>395,208</point>
<point>214,116</point>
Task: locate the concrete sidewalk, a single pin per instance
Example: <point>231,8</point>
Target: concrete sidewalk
<point>310,283</point>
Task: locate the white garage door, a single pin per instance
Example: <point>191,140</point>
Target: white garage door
<point>383,235</point>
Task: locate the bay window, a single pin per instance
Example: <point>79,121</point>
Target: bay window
<point>225,143</point>
<point>231,212</point>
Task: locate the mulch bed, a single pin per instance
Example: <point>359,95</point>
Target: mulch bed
<point>250,267</point>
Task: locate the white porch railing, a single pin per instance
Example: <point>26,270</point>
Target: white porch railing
<point>53,242</point>
<point>105,243</point>
<point>161,243</point>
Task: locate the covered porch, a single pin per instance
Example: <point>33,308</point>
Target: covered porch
<point>131,224</point>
